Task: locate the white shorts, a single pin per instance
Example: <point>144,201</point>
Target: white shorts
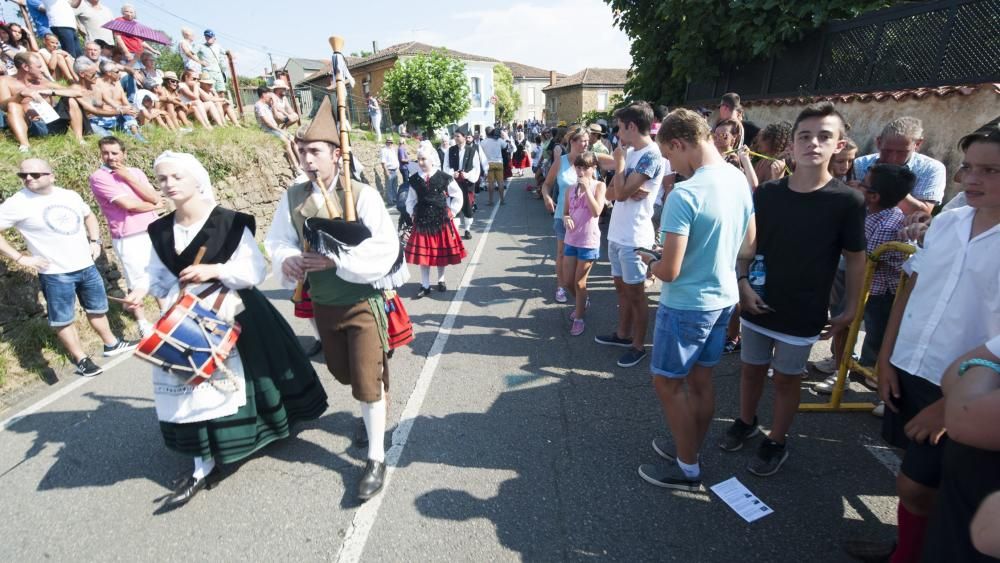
<point>134,252</point>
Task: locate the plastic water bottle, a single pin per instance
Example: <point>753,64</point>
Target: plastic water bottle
<point>757,275</point>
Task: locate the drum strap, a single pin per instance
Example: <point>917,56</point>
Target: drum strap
<point>219,299</point>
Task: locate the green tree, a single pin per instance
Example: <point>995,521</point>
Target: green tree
<point>508,99</point>
<point>170,59</point>
<point>361,54</point>
<point>675,41</point>
<point>428,91</point>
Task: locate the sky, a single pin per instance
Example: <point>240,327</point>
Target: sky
<point>561,35</point>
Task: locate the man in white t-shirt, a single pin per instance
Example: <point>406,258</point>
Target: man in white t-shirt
<point>389,158</point>
<point>63,238</point>
<point>62,22</point>
<point>91,15</point>
<point>639,173</point>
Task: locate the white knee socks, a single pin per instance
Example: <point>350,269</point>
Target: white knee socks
<point>374,417</point>
<point>466,223</point>
<point>425,276</point>
<point>312,321</point>
<point>203,466</point>
<point>440,274</point>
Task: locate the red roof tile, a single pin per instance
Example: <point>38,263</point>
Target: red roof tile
<point>893,95</point>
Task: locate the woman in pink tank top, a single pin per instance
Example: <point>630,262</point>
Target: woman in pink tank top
<point>582,244</point>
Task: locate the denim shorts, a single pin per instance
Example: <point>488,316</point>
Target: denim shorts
<point>683,338</point>
<point>559,228</point>
<point>626,264</point>
<point>579,253</point>
<point>61,290</point>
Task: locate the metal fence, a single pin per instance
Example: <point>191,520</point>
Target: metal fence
<point>928,44</point>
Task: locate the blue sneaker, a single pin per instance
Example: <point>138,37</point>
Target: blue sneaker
<point>631,358</point>
<point>613,340</point>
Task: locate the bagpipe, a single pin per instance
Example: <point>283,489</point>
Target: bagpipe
<point>332,237</point>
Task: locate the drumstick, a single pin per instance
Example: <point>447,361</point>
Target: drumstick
<point>119,300</point>
<point>197,261</point>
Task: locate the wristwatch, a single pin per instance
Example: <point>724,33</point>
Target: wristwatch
<point>96,241</point>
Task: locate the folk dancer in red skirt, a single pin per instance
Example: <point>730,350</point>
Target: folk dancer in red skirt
<point>433,201</point>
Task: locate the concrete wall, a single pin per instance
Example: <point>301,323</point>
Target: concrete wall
<point>945,120</point>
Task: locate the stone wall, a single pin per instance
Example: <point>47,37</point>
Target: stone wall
<point>946,120</point>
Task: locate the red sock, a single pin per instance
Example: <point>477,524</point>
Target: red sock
<point>911,536</point>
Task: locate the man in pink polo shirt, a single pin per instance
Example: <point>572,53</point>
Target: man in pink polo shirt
<point>129,203</point>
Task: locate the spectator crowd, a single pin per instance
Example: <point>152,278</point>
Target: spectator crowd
<point>73,75</point>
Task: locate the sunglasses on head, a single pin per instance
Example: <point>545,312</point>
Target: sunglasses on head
<point>35,175</point>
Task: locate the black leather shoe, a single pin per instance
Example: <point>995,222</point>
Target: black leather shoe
<point>186,491</point>
<point>441,286</point>
<point>467,235</point>
<point>361,435</point>
<point>424,292</point>
<point>373,479</point>
<point>316,348</point>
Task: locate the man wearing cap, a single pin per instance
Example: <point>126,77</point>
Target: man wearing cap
<point>464,165</point>
<point>284,113</point>
<point>390,167</point>
<point>212,54</point>
<point>349,310</point>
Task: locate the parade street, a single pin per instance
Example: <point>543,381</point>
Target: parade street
<point>508,439</point>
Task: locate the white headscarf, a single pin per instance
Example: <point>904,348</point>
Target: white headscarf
<point>427,150</point>
<point>191,164</point>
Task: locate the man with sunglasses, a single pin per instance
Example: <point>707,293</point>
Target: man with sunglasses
<point>62,236</point>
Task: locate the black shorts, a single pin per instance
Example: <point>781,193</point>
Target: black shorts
<point>921,462</point>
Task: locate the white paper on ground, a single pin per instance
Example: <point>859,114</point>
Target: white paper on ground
<point>741,500</point>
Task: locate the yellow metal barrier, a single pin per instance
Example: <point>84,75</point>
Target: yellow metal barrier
<point>847,361</point>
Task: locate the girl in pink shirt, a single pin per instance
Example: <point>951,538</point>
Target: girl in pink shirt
<point>582,244</point>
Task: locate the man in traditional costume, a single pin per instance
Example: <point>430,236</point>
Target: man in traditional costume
<point>266,384</point>
<point>350,310</point>
<point>464,165</point>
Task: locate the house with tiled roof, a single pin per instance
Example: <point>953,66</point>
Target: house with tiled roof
<point>369,74</point>
<point>588,90</point>
<point>529,82</point>
<point>298,69</point>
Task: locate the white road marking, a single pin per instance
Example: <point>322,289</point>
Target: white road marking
<point>884,454</point>
<point>60,393</point>
<point>356,536</point>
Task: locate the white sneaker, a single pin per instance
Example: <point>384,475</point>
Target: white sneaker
<point>145,328</point>
<point>826,366</point>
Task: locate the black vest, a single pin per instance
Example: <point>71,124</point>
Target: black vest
<point>431,211</point>
<point>220,236</point>
<point>470,156</point>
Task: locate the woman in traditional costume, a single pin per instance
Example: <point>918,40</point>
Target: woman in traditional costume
<point>433,201</point>
<point>266,384</point>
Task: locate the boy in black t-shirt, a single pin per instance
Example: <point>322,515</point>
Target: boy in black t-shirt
<point>804,223</point>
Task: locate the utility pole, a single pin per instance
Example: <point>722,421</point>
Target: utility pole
<point>271,58</point>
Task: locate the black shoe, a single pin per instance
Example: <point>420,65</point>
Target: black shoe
<point>870,551</point>
<point>738,433</point>
<point>373,479</point>
<point>361,435</point>
<point>769,459</point>
<point>87,368</point>
<point>467,235</point>
<point>187,489</point>
<point>442,287</point>
<point>424,292</point>
<point>316,348</point>
<point>120,347</point>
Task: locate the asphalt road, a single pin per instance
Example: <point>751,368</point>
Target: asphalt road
<point>517,442</point>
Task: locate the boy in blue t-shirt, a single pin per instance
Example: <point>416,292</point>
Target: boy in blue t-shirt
<point>706,219</point>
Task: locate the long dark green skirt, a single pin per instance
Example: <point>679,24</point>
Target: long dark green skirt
<point>281,385</point>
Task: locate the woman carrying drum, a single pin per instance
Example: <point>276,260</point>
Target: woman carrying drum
<point>275,387</point>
